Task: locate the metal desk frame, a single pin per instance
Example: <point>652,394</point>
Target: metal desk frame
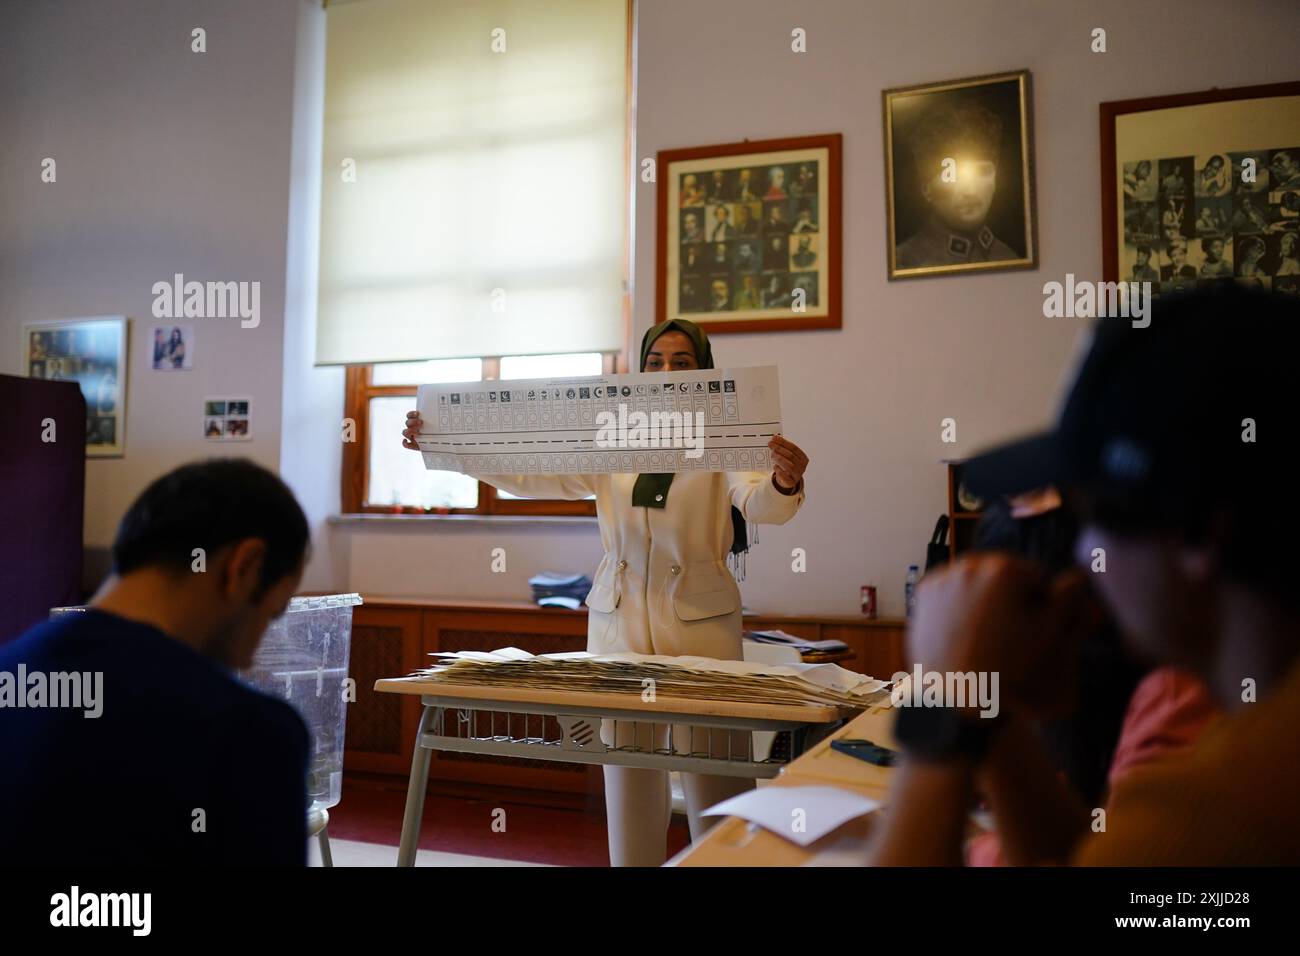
<point>580,742</point>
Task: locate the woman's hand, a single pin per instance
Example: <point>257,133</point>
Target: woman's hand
<point>788,463</point>
<point>413,425</point>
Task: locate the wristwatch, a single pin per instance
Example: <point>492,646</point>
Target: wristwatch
<point>942,733</point>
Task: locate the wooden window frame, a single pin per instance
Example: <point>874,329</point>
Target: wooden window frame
<point>359,386</point>
<point>360,389</point>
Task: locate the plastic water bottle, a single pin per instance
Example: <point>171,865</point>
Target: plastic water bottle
<point>909,589</point>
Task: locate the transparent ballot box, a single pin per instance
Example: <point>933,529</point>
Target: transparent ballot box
<point>303,659</point>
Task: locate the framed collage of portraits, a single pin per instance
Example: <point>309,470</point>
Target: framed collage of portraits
<point>748,235</point>
<point>1203,188</point>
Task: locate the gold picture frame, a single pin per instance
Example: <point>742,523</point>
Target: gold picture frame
<point>959,176</point>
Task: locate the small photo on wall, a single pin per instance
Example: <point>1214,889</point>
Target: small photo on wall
<point>173,348</point>
<point>1214,216</point>
<point>1213,175</point>
<point>1140,263</point>
<point>1213,257</point>
<point>1285,247</point>
<point>1140,182</point>
<point>227,418</point>
<point>1249,171</point>
<point>1251,257</point>
<point>803,252</point>
<point>1284,168</point>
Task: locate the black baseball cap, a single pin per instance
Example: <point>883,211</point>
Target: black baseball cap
<point>1164,421</point>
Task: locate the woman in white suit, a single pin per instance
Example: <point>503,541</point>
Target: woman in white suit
<point>663,586</point>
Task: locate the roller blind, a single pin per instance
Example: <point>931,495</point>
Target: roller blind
<point>474,188</point>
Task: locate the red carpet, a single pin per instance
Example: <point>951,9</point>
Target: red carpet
<point>372,813</point>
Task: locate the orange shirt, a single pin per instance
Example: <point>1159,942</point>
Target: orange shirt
<point>1232,800</point>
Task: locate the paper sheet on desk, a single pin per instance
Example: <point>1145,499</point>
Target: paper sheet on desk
<point>697,420</point>
<point>802,815</point>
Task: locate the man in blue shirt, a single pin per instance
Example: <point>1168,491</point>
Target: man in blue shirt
<point>124,736</point>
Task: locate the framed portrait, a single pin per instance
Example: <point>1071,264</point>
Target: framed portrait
<point>228,418</point>
<point>748,235</point>
<point>92,353</point>
<point>172,348</point>
<point>1203,188</point>
<point>959,176</point>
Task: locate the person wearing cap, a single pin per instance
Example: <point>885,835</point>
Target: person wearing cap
<point>663,586</point>
<point>1172,449</point>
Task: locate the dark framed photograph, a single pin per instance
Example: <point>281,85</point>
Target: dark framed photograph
<point>1200,188</point>
<point>748,235</point>
<point>92,353</point>
<point>959,176</point>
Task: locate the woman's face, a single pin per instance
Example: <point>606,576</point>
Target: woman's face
<point>671,352</point>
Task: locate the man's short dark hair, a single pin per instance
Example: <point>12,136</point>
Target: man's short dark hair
<point>209,505</point>
<point>966,129</point>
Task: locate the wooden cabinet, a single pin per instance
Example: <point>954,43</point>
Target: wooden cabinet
<point>964,512</point>
<point>394,636</point>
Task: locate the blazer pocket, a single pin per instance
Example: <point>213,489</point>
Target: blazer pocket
<point>602,598</point>
<point>704,594</point>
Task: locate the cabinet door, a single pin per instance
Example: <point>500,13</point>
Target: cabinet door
<point>381,727</point>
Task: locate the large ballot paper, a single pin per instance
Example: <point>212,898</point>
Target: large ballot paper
<point>698,420</point>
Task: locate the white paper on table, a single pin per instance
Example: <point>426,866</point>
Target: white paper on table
<point>696,420</point>
<point>802,815</point>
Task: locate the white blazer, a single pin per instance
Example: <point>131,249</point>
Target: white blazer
<point>663,586</point>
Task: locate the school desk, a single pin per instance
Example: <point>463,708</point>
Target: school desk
<point>565,726</point>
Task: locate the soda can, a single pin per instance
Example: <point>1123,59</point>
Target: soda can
<point>869,600</point>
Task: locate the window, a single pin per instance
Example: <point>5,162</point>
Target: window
<point>489,191</point>
<point>380,476</point>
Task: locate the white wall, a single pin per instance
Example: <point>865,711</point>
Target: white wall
<point>311,450</point>
<point>168,161</point>
<point>171,161</point>
<point>865,402</point>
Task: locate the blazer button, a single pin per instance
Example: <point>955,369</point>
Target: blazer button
<point>676,569</point>
<point>622,565</point>
<point>659,497</point>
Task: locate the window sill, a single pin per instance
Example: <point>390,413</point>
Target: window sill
<point>562,521</point>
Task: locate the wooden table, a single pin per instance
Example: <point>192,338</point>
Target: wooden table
<point>513,722</point>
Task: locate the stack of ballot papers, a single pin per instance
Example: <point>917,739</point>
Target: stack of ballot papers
<point>696,678</point>
<point>800,644</point>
